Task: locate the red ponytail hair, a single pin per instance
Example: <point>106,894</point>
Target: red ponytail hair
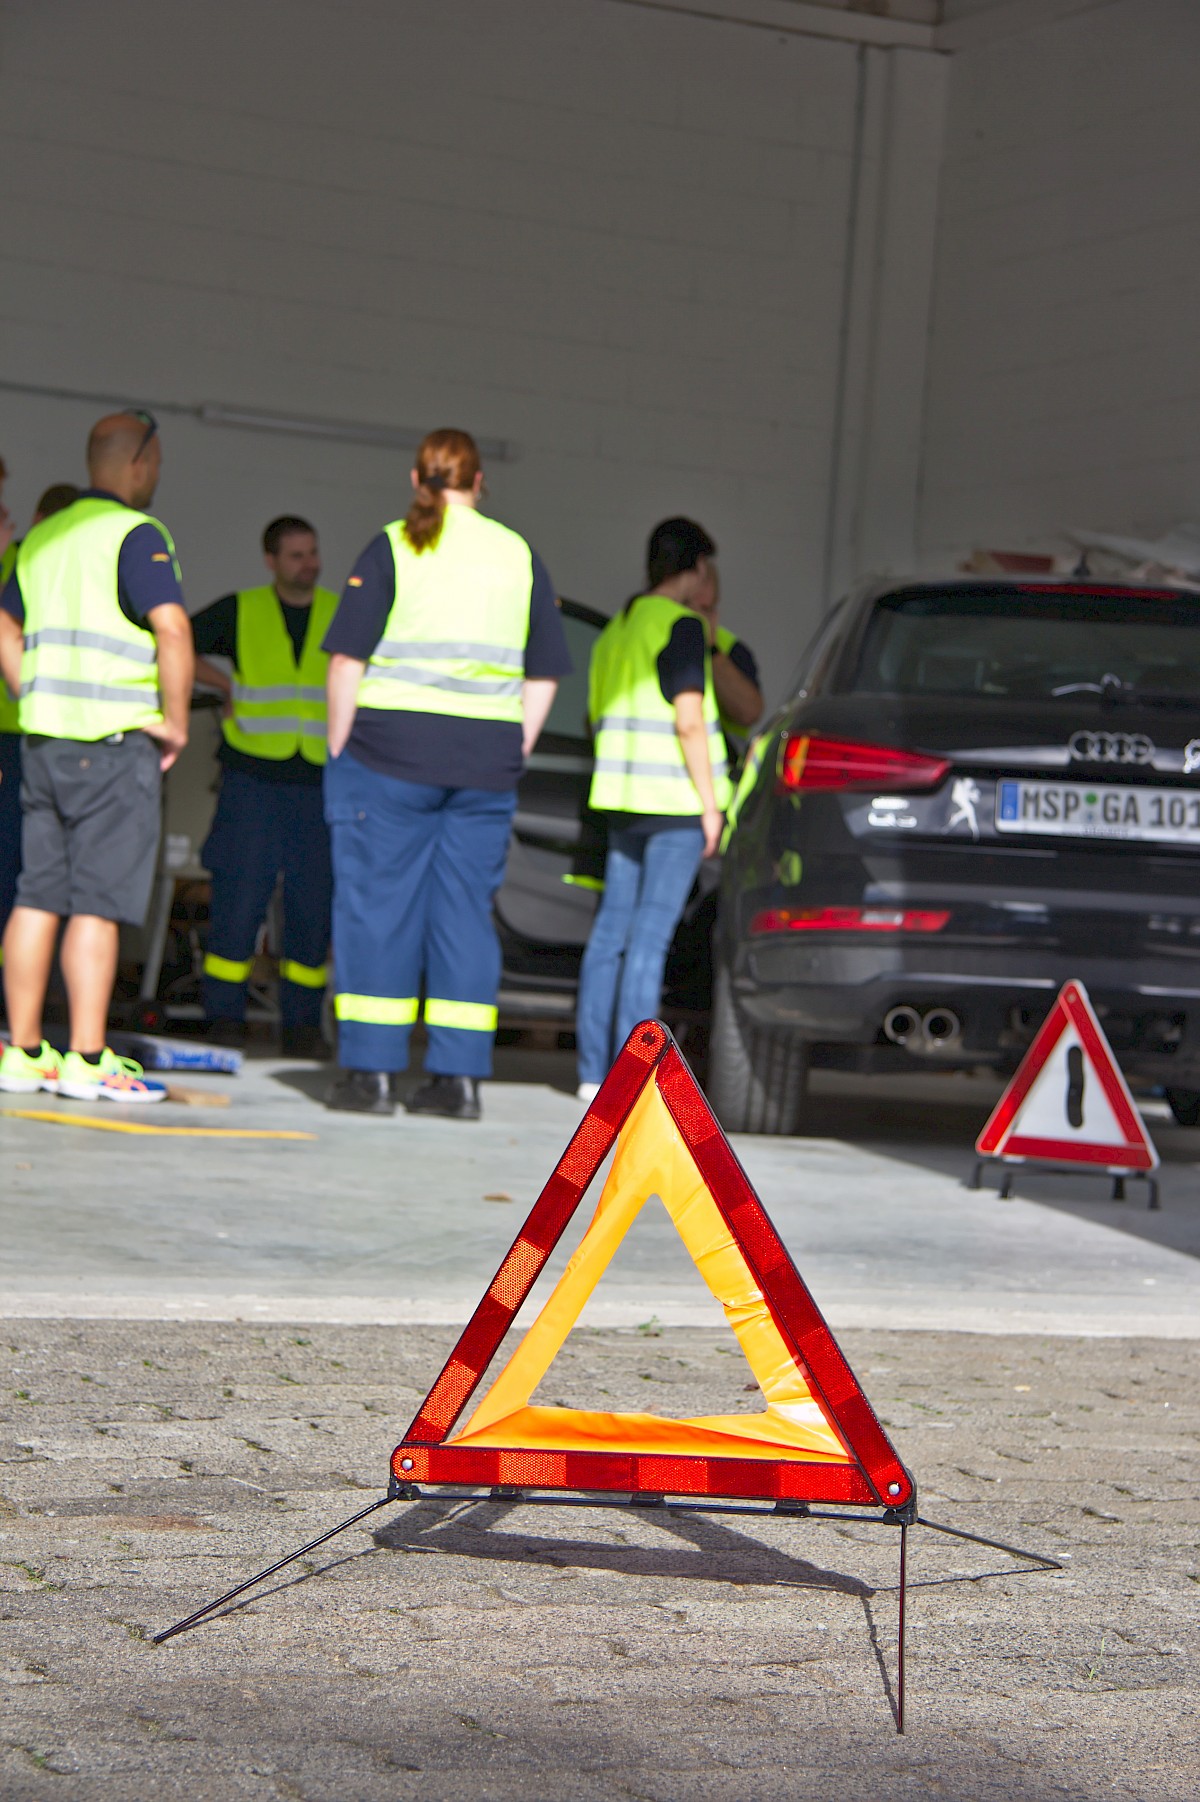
<point>445,459</point>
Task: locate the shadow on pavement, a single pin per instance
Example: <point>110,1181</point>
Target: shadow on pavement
<point>709,1550</point>
<point>932,1122</point>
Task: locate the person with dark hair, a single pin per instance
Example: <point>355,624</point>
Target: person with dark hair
<point>269,817</point>
<point>660,777</point>
<point>445,656</point>
<point>95,637</point>
<point>52,501</point>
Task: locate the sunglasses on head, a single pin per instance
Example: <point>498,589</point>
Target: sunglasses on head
<point>151,425</point>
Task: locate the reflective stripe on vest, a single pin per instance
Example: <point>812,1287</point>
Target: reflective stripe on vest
<point>279,703</point>
<point>87,671</point>
<point>478,581</point>
<point>639,765</point>
<point>9,721</point>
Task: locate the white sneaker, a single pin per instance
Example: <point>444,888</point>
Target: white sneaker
<point>587,1091</point>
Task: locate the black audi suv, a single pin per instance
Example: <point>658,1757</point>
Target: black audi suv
<point>978,789</point>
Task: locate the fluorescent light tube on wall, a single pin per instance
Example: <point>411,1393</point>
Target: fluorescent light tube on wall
<point>250,419</point>
<point>349,431</point>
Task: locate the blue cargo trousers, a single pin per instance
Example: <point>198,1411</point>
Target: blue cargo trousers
<point>260,828</point>
<point>415,870</point>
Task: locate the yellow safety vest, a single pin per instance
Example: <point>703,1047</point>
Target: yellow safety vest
<point>279,702</point>
<point>454,641</point>
<point>639,763</point>
<point>87,671</point>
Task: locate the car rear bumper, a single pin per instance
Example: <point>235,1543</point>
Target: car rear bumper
<point>840,993</point>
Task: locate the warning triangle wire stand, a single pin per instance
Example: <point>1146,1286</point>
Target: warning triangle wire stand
<point>815,1452</point>
<point>1068,1108</point>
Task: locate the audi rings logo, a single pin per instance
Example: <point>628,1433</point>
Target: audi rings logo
<point>1110,747</point>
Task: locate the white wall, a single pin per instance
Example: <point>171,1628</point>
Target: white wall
<point>1065,367</point>
<point>615,236</point>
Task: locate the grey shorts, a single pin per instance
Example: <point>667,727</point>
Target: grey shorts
<point>89,835</point>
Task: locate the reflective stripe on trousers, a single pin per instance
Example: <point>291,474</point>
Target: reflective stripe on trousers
<point>228,969</point>
<point>307,976</point>
<point>377,1010</point>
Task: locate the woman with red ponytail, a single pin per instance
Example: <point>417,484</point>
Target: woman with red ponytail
<point>445,654</point>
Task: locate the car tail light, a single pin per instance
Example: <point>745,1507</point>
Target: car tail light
<point>849,919</point>
<point>811,763</point>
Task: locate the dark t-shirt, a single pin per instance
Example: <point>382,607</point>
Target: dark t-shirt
<point>215,632</point>
<point>146,575</point>
<point>442,750</point>
<point>743,659</point>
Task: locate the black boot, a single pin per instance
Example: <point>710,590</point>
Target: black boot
<point>361,1092</point>
<point>304,1042</point>
<point>454,1097</point>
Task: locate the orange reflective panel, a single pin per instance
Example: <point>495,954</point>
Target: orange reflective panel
<point>653,1160</point>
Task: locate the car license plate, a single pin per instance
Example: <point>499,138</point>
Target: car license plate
<point>1095,810</point>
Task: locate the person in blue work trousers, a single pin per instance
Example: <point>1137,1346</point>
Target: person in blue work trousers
<point>269,816</point>
<point>660,778</point>
<point>55,498</point>
<point>445,654</point>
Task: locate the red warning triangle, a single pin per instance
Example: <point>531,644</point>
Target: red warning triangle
<point>1068,1102</point>
<point>817,1440</point>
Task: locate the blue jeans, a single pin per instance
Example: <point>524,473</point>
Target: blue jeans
<point>647,879</point>
<point>415,868</point>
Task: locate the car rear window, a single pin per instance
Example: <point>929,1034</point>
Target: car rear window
<point>1032,644</point>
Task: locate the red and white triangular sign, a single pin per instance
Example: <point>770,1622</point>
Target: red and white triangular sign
<point>1068,1102</point>
<point>816,1440</point>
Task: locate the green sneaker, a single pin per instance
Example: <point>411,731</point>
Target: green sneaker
<point>21,1074</point>
<point>112,1079</point>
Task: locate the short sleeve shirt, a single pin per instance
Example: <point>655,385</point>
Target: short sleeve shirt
<point>146,573</point>
<point>441,750</point>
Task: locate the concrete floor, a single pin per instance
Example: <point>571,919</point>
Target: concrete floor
<point>214,1343</point>
<point>500,1652</point>
<point>397,1220</point>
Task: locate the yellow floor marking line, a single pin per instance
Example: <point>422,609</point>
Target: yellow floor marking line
<point>137,1126</point>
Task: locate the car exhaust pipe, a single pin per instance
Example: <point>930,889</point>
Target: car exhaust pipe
<point>940,1026</point>
<point>900,1024</point>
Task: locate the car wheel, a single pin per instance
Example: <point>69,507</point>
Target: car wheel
<point>756,1079</point>
<point>1185,1105</point>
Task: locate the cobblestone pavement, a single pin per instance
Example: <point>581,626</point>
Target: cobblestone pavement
<point>497,1651</point>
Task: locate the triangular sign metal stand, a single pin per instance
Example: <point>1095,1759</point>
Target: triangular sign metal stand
<point>1068,1108</point>
<point>817,1451</point>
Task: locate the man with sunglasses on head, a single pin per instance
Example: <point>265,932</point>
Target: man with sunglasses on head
<point>95,638</point>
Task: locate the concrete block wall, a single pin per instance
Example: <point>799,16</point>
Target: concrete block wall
<point>1064,382</point>
<point>615,237</point>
